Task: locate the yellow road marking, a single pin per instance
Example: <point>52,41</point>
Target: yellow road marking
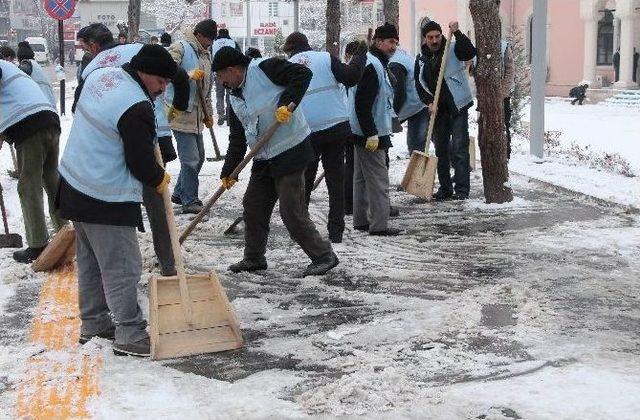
<point>59,381</point>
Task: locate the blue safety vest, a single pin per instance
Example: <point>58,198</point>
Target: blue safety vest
<point>189,63</point>
<point>20,96</point>
<point>412,104</point>
<point>323,104</point>
<point>93,161</point>
<point>256,111</point>
<point>382,106</point>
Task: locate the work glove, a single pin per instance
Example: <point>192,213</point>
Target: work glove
<point>372,143</point>
<point>228,182</point>
<point>196,74</point>
<point>164,184</point>
<point>283,115</point>
<point>208,121</point>
<point>172,113</point>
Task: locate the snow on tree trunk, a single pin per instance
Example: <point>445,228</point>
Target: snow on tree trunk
<point>391,9</point>
<point>491,131</point>
<point>134,18</point>
<point>333,27</point>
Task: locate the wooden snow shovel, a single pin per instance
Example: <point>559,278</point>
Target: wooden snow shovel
<point>60,251</point>
<point>203,104</point>
<point>421,172</point>
<point>188,314</point>
<point>254,151</point>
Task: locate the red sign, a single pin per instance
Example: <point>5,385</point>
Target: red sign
<point>270,28</point>
<point>60,9</point>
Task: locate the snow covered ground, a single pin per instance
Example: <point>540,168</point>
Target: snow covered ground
<point>526,310</point>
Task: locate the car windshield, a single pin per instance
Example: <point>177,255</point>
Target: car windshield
<point>37,47</point>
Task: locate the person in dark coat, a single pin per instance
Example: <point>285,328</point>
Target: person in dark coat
<point>579,93</point>
<point>329,127</point>
<point>616,65</point>
<point>268,86</point>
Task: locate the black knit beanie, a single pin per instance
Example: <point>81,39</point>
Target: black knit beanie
<point>154,59</point>
<point>223,33</point>
<point>207,28</point>
<point>24,51</point>
<point>430,26</point>
<point>386,31</point>
<point>228,57</point>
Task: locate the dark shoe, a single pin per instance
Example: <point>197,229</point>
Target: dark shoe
<point>348,212</point>
<point>442,196</point>
<point>321,267</point>
<point>335,238</point>
<point>248,265</point>
<point>193,208</point>
<point>363,228</point>
<point>28,255</point>
<point>221,120</point>
<point>394,211</point>
<point>108,334</point>
<point>176,200</point>
<point>386,232</point>
<point>140,348</point>
<point>460,197</point>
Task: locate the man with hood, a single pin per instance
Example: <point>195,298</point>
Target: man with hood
<point>326,112</point>
<point>222,98</point>
<point>371,112</point>
<point>451,130</point>
<point>192,54</point>
<point>261,90</point>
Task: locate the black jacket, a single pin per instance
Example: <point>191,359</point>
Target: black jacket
<point>464,51</point>
<point>137,129</point>
<point>349,75</point>
<point>295,78</point>
<point>366,94</point>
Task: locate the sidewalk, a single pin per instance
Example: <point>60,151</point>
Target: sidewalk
<point>480,311</point>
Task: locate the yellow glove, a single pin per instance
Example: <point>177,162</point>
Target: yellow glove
<point>208,122</point>
<point>196,74</point>
<point>228,182</point>
<point>172,113</point>
<point>372,143</point>
<point>164,184</point>
<point>283,115</point>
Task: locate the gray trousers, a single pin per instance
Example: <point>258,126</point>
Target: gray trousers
<point>261,195</point>
<point>370,189</point>
<point>109,268</point>
<point>159,230</point>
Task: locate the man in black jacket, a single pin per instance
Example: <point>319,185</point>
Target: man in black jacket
<point>325,109</point>
<point>258,89</point>
<point>371,111</point>
<point>451,129</point>
<point>101,190</point>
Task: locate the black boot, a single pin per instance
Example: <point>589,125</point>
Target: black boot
<point>321,267</point>
<point>442,196</point>
<point>108,334</point>
<point>248,265</point>
<point>28,255</point>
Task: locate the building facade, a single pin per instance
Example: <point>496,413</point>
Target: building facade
<point>582,36</point>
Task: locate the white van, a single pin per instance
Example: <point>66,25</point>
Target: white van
<point>39,47</point>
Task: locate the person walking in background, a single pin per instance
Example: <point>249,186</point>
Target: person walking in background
<point>579,93</point>
<point>222,96</point>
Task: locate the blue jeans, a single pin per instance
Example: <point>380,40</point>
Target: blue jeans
<point>191,154</point>
<point>417,126</point>
<point>451,138</point>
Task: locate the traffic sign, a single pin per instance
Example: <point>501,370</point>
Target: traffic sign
<point>60,9</point>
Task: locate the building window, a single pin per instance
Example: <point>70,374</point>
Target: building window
<point>379,14</point>
<point>273,9</point>
<point>236,10</point>
<point>605,39</point>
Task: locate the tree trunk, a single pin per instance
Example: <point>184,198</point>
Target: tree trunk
<point>134,19</point>
<point>333,27</point>
<point>391,9</point>
<point>491,130</point>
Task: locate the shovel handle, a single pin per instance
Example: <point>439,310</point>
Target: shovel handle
<point>206,116</point>
<point>234,175</point>
<point>175,247</point>
<point>4,212</point>
<point>436,97</point>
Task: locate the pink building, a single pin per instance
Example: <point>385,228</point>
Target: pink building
<point>582,36</point>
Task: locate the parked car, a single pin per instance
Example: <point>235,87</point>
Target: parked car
<point>39,47</point>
